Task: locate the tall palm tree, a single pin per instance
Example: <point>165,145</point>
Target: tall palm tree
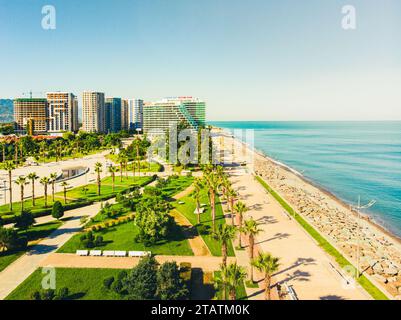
<point>42,149</point>
<point>251,229</point>
<point>21,181</point>
<point>9,166</point>
<point>213,183</point>
<point>33,176</point>
<point>3,147</point>
<point>268,264</point>
<point>235,277</point>
<point>112,171</point>
<point>45,182</point>
<point>231,195</point>
<point>197,195</point>
<point>240,208</point>
<point>65,186</point>
<point>53,178</point>
<point>121,162</point>
<point>98,170</point>
<point>224,234</point>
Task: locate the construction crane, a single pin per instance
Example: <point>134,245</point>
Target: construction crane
<point>30,93</point>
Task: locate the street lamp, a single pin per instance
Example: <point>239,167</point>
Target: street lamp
<point>358,209</point>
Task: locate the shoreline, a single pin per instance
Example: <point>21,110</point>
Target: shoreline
<point>321,188</point>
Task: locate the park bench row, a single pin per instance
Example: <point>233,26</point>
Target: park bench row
<point>109,253</point>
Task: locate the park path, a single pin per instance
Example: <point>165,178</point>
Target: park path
<point>196,242</point>
<point>70,260</point>
<point>19,270</point>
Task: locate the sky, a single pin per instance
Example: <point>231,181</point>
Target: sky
<point>249,60</point>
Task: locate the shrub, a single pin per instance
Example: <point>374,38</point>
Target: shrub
<point>36,296</point>
<point>108,282</point>
<point>58,210</point>
<point>63,293</point>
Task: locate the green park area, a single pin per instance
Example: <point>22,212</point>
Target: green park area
<point>187,206</point>
<point>75,197</point>
<point>33,235</point>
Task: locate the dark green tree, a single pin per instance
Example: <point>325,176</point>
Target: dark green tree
<point>24,220</point>
<point>170,286</point>
<point>58,210</point>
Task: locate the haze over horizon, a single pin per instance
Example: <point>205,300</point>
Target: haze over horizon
<point>253,60</point>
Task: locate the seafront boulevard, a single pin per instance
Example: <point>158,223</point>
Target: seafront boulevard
<point>306,269</point>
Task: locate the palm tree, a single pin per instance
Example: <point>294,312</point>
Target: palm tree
<point>21,181</point>
<point>240,208</point>
<point>220,281</point>
<point>9,166</point>
<point>251,229</point>
<point>42,149</point>
<point>197,195</point>
<point>3,147</point>
<point>65,186</point>
<point>268,264</point>
<point>231,195</point>
<point>33,176</point>
<point>45,182</point>
<point>224,234</point>
<point>112,171</point>
<point>121,162</point>
<point>53,178</point>
<point>213,183</point>
<point>98,170</point>
<point>235,276</point>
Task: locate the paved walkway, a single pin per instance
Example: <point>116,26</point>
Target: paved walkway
<point>20,269</point>
<point>304,265</point>
<point>70,260</point>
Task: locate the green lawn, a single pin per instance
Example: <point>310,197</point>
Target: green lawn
<point>78,194</point>
<point>83,284</point>
<point>121,237</point>
<point>34,233</point>
<point>341,260</point>
<point>176,185</point>
<point>77,155</point>
<point>206,227</point>
<point>101,218</point>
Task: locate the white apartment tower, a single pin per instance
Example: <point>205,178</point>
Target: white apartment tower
<point>93,112</point>
<point>62,111</point>
<point>135,114</point>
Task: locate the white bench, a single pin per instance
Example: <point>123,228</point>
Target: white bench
<point>139,253</point>
<point>95,253</point>
<point>82,252</point>
<point>120,253</point>
<point>108,253</point>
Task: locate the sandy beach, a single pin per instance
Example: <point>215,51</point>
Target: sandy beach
<point>380,252</point>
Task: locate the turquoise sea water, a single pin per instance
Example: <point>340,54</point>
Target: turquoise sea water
<point>347,159</point>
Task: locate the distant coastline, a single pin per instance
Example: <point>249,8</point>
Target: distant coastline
<point>369,217</point>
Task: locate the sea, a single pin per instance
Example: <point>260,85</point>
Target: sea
<point>348,159</point>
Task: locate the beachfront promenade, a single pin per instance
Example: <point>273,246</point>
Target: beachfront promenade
<point>305,266</point>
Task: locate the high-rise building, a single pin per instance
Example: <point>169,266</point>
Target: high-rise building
<point>62,112</point>
<point>93,112</point>
<point>30,115</point>
<point>135,114</point>
<point>124,115</point>
<point>159,116</point>
<point>113,114</point>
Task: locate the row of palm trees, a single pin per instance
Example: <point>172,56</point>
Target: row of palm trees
<point>217,183</point>
<point>22,181</point>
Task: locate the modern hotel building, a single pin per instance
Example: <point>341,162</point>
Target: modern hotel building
<point>113,114</point>
<point>93,112</point>
<point>62,112</point>
<point>159,116</point>
<point>30,115</point>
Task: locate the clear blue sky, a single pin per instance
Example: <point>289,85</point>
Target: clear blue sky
<point>250,60</point>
